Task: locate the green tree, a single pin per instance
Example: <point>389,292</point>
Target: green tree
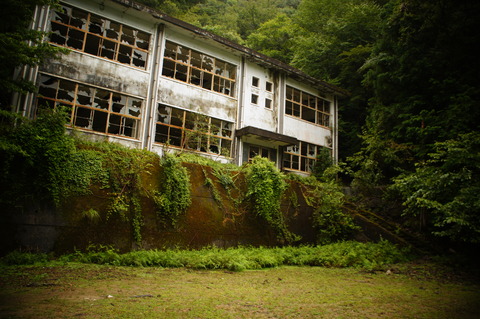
<point>424,71</point>
<point>445,188</point>
<point>20,46</point>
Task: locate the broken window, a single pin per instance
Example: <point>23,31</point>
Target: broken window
<point>307,107</point>
<point>189,130</point>
<point>302,157</point>
<point>92,108</point>
<point>198,69</point>
<point>83,31</point>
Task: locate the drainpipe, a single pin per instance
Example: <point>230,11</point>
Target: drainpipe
<point>335,130</point>
<point>241,112</point>
<point>151,107</point>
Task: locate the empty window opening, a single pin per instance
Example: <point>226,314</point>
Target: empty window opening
<point>268,103</point>
<point>254,99</point>
<point>269,86</point>
<point>255,81</point>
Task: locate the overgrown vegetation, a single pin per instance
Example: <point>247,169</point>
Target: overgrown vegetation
<point>265,187</point>
<point>174,198</point>
<point>370,256</point>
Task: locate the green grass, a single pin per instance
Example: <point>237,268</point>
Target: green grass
<point>74,290</point>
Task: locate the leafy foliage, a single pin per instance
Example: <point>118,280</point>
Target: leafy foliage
<point>446,189</point>
<point>174,197</point>
<point>20,45</point>
<point>371,256</point>
<point>266,185</point>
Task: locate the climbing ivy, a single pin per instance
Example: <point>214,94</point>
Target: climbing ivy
<point>174,197</point>
<point>265,187</point>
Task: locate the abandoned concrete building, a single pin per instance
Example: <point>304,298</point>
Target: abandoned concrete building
<point>138,77</point>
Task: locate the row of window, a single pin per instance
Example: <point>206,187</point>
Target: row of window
<point>87,32</point>
<point>92,108</point>
<point>109,112</point>
<point>193,67</point>
<point>193,131</point>
<point>307,107</point>
<point>301,157</point>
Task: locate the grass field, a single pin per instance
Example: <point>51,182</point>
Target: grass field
<point>74,290</point>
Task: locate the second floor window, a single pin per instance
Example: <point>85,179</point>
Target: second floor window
<point>193,67</point>
<point>307,107</point>
<point>87,32</point>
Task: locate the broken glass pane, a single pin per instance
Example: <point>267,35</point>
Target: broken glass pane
<point>127,35</point>
<point>79,19</point>
<point>48,86</point>
<point>143,40</point>
<point>170,50</point>
<point>62,15</point>
<point>82,117</point>
<point>102,99</point>
<point>84,95</point>
<point>139,58</point>
<point>96,25</point>
<point>66,91</point>
<point>108,49</point>
<point>177,117</point>
<point>164,114</point>
<point>134,107</point>
<point>112,30</point>
<point>125,54</point>
<point>118,103</point>
<point>129,127</point>
<point>207,63</point>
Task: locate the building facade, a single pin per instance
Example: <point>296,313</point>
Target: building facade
<point>138,77</point>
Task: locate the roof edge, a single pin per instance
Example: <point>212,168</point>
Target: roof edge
<point>250,53</point>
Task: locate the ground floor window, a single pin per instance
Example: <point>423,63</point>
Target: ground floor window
<point>301,157</point>
<point>261,151</point>
<point>91,108</point>
<point>193,131</point>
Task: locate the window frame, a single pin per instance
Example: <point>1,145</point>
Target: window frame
<point>90,32</point>
<point>93,106</point>
<point>307,107</point>
<point>207,72</point>
<point>218,136</point>
<point>301,158</point>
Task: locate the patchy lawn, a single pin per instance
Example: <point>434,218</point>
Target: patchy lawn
<point>94,291</point>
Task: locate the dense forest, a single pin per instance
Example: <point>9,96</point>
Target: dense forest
<point>412,119</point>
<point>410,126</point>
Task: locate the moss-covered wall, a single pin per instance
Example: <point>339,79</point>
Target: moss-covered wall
<point>215,217</point>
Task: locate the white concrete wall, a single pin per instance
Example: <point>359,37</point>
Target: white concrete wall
<point>257,115</point>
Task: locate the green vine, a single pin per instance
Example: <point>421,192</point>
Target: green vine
<point>174,197</point>
<point>266,185</point>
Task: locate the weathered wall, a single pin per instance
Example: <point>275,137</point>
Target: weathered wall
<point>207,222</point>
